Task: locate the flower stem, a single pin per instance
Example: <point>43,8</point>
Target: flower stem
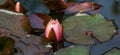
<point>57,45</point>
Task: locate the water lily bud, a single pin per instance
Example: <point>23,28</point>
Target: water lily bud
<point>17,7</point>
<point>53,31</point>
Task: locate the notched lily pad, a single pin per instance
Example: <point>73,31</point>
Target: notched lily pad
<point>113,52</point>
<point>6,45</point>
<point>74,50</point>
<point>76,26</point>
<point>17,23</point>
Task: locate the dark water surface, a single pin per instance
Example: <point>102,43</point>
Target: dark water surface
<point>111,10</point>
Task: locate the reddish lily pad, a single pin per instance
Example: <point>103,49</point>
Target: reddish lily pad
<point>17,23</point>
<point>74,50</point>
<point>82,7</point>
<point>76,26</point>
<point>31,45</point>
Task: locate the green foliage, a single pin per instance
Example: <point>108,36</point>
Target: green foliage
<point>74,50</point>
<point>76,26</point>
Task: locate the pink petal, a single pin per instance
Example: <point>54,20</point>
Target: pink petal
<point>58,30</point>
<point>56,27</point>
<point>17,7</point>
<point>48,27</point>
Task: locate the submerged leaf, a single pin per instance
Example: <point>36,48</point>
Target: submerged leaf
<point>76,26</point>
<point>74,50</point>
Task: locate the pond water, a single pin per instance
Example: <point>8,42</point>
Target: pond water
<point>111,10</point>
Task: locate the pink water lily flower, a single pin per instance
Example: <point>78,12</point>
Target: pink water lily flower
<point>53,31</point>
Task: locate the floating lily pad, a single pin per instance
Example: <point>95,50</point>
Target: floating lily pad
<point>76,26</point>
<point>74,50</point>
<point>6,45</point>
<point>82,7</point>
<point>113,52</point>
<point>31,45</point>
<point>17,23</point>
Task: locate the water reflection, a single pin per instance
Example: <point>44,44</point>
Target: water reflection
<point>116,10</point>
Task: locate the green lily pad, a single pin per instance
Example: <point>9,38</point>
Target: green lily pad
<point>113,52</point>
<point>6,45</point>
<point>74,50</point>
<point>76,26</point>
